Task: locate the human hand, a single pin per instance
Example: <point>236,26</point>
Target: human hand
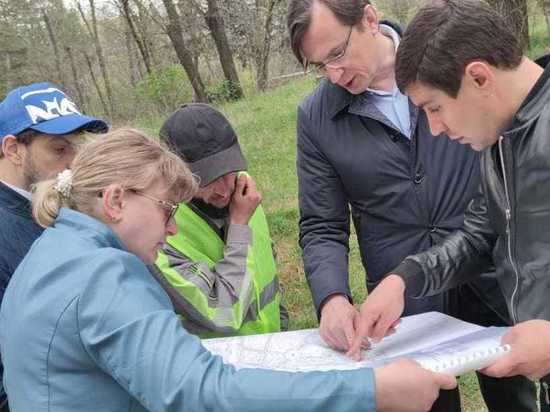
<point>530,354</point>
<point>406,387</point>
<point>337,322</point>
<point>245,200</point>
<point>379,313</point>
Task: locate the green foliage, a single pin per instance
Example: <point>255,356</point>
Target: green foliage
<point>539,38</point>
<point>248,81</point>
<point>225,91</point>
<point>166,89</point>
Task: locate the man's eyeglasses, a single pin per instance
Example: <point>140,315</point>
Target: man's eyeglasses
<point>331,60</point>
<point>168,207</point>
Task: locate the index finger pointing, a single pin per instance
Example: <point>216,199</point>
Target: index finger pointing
<point>362,331</point>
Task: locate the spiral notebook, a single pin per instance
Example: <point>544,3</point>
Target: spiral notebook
<point>438,342</point>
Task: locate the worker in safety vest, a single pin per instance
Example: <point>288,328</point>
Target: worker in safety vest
<point>219,269</point>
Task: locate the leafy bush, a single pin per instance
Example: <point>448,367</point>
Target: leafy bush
<point>225,91</point>
<point>167,89</point>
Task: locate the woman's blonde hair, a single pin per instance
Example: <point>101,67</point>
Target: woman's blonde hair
<point>125,156</point>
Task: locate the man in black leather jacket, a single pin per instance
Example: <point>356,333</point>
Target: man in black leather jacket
<point>488,95</point>
<point>364,148</point>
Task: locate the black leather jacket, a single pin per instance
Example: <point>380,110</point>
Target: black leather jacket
<point>509,218</point>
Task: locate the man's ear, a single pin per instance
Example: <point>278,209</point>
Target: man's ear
<point>13,150</point>
<point>480,76</point>
<point>113,202</point>
<point>370,19</point>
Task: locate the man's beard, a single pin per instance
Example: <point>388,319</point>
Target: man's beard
<point>31,175</point>
<point>210,210</point>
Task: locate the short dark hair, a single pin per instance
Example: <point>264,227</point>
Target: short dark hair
<point>348,12</point>
<point>445,36</point>
<point>25,137</point>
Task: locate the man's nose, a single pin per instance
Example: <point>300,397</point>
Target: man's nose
<point>171,227</point>
<point>226,186</point>
<point>222,191</point>
<point>436,125</point>
<point>334,74</point>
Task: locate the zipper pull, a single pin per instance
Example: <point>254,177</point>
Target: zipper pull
<point>547,397</point>
<point>508,215</point>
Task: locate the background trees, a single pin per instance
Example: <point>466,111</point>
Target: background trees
<point>515,13</point>
<point>129,58</point>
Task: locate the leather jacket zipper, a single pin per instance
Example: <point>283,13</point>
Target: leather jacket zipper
<point>508,230</point>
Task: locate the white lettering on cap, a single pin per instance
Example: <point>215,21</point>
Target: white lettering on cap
<point>51,108</point>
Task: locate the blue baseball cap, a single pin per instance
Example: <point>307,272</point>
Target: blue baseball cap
<point>46,109</point>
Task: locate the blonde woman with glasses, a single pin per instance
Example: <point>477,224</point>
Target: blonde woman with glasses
<point>85,327</point>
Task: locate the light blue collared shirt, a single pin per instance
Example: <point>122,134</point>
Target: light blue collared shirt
<point>393,105</point>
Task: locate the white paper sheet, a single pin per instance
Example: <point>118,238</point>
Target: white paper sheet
<point>436,341</point>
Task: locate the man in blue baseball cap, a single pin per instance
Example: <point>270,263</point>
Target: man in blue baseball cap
<point>39,129</point>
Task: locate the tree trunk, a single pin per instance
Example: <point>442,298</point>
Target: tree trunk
<point>147,13</point>
<point>59,77</point>
<point>132,63</point>
<point>175,34</point>
<point>15,62</point>
<point>76,80</point>
<point>515,14</point>
<point>93,32</point>
<point>264,49</point>
<point>545,6</point>
<point>141,44</point>
<point>215,23</point>
<point>96,85</point>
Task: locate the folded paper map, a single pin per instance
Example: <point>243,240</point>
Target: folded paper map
<point>437,341</point>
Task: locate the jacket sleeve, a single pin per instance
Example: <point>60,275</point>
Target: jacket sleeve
<point>128,328</point>
<point>324,218</point>
<point>216,298</point>
<point>463,254</point>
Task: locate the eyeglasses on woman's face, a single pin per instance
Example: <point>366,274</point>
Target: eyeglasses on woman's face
<point>169,208</point>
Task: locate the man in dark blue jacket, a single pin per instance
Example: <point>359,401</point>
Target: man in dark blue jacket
<point>363,146</point>
<point>39,128</point>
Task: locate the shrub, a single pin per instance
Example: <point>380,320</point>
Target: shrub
<point>167,89</point>
<point>225,91</point>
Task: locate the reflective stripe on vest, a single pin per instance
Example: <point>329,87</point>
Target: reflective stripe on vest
<point>198,242</point>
